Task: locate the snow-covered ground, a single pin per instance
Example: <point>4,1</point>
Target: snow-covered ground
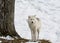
<point>49,13</point>
<point>7,37</point>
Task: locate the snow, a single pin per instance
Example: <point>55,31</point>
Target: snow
<point>0,41</point>
<point>49,13</point>
<point>7,37</point>
<point>31,42</point>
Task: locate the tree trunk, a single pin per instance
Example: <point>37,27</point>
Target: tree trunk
<point>7,18</point>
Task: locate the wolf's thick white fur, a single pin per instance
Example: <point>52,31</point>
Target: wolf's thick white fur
<point>34,24</point>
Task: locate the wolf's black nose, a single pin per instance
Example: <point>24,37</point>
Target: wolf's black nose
<point>32,21</point>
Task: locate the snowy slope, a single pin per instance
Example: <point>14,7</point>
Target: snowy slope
<point>47,10</point>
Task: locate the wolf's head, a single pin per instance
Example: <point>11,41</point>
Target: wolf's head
<point>32,19</point>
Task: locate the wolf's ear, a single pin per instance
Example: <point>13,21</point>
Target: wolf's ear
<point>28,16</point>
<point>38,19</point>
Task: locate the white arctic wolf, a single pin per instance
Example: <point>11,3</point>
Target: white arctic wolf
<point>34,24</point>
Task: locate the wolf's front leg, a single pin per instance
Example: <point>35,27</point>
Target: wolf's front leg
<point>32,35</point>
<point>37,34</point>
